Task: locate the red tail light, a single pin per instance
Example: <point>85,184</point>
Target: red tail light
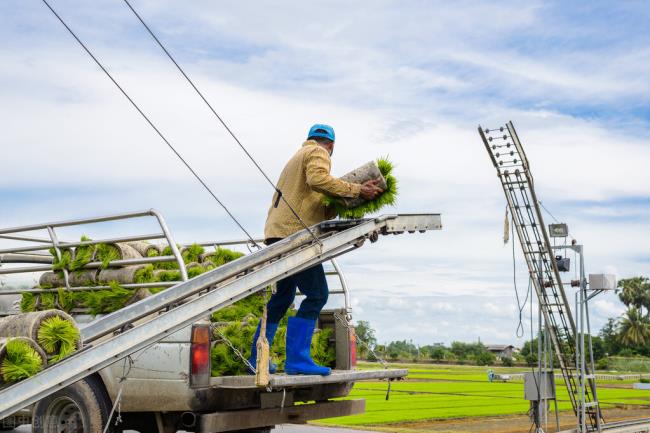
<point>200,355</point>
<point>353,349</point>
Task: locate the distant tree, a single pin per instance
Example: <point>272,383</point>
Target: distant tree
<point>627,352</point>
<point>365,338</point>
<point>485,358</point>
<point>635,292</point>
<point>634,329</point>
<point>380,352</point>
<point>610,337</point>
<point>599,347</point>
<point>507,361</point>
<point>531,359</point>
<point>464,351</point>
<point>437,352</point>
<point>405,349</point>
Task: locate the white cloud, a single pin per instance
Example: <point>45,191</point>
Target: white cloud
<point>398,80</point>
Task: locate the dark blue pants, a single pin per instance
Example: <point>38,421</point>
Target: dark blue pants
<point>312,284</point>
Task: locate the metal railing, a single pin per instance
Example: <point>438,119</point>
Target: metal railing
<point>34,252</point>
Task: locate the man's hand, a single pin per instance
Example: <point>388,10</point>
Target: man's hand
<point>370,189</point>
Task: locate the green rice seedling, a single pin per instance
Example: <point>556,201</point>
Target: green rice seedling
<point>20,361</point>
<point>63,262</point>
<point>192,253</point>
<point>167,251</point>
<point>386,198</point>
<point>322,352</point>
<point>237,311</point>
<point>152,252</point>
<point>106,301</point>
<point>169,275</point>
<point>28,302</point>
<point>83,255</point>
<point>58,337</point>
<point>222,256</point>
<point>66,300</point>
<point>224,361</point>
<point>195,270</point>
<point>144,275</point>
<point>106,253</point>
<point>46,301</point>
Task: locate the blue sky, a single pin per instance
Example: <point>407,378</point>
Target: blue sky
<point>407,79</point>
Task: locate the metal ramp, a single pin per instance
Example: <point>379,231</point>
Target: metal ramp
<point>513,170</point>
<point>186,302</point>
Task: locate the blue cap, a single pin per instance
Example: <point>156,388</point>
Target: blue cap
<point>320,130</point>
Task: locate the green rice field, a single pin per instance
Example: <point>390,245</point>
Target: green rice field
<point>436,392</point>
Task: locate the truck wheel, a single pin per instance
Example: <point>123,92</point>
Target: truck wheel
<point>82,407</point>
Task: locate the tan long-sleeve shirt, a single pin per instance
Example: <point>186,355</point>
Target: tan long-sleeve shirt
<point>303,181</point>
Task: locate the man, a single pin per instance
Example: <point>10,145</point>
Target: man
<point>303,181</point>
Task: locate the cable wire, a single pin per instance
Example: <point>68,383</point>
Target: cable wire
<point>520,331</point>
<point>223,123</point>
<point>551,215</point>
<point>160,134</point>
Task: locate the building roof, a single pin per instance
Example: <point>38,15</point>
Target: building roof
<point>499,347</point>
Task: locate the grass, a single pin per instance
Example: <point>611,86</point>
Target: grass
<point>386,198</point>
<point>58,337</point>
<point>441,392</point>
<point>20,361</point>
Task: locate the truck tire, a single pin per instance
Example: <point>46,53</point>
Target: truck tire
<point>82,407</point>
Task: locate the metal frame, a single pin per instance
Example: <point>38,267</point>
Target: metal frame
<point>584,366</point>
<point>17,233</point>
<point>254,272</point>
<point>513,170</point>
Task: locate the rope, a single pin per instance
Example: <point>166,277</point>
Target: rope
<point>118,399</point>
<point>160,134</point>
<point>223,123</point>
<point>551,215</point>
<point>262,375</point>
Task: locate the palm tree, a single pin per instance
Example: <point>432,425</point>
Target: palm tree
<point>635,293</point>
<point>634,328</point>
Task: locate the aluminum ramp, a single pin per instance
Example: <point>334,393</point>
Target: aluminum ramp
<point>184,303</point>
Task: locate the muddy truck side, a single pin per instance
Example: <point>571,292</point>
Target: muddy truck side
<point>168,387</point>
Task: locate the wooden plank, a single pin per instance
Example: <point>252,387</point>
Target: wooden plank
<point>255,418</point>
<point>285,381</point>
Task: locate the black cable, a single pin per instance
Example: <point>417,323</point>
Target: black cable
<point>151,123</point>
<point>223,123</point>
<point>552,216</point>
<point>520,307</point>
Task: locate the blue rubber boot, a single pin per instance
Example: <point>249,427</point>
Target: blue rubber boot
<point>299,332</point>
<point>271,329</point>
